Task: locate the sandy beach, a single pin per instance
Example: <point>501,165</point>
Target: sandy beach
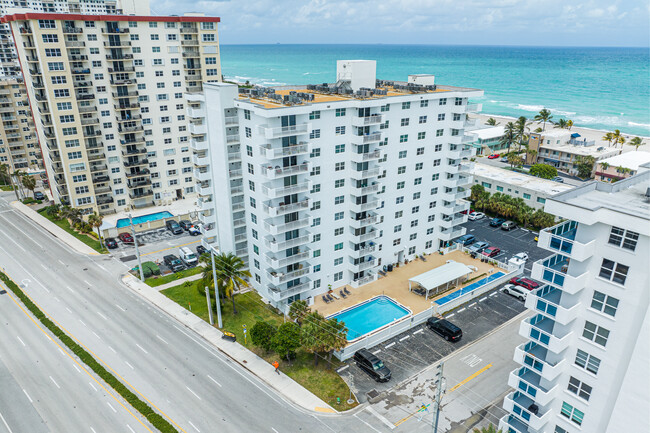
<point>590,134</point>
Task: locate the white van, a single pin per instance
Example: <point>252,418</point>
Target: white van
<point>187,256</point>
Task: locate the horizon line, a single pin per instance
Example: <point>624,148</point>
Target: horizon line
<point>443,45</point>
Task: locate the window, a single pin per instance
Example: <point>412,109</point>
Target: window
<point>436,162</point>
<point>400,185</point>
<point>572,413</point>
<point>421,135</point>
<point>440,132</point>
<point>314,134</point>
<point>397,228</point>
<point>406,105</point>
<point>339,148</point>
<point>399,214</point>
<point>385,108</point>
<point>339,216</point>
<point>612,271</point>
<point>418,180</point>
<point>595,333</point>
<point>401,154</point>
<point>50,38</point>
<point>526,196</point>
<point>587,361</point>
<point>442,101</point>
<point>424,103</point>
<point>405,122</point>
<point>441,117</point>
<point>314,115</point>
<point>339,199</point>
<point>59,79</point>
<point>55,66</point>
<point>401,170</point>
<point>623,238</point>
<point>338,275</point>
<point>399,200</point>
<point>458,101</point>
<point>416,195</point>
<point>338,247</point>
<point>403,138</point>
<point>340,112</point>
<point>396,242</point>
<point>580,389</point>
<point>540,200</point>
<point>338,261</point>
<point>210,37</point>
<point>339,166</point>
<point>339,183</point>
<point>604,303</point>
<point>456,117</point>
<point>340,130</point>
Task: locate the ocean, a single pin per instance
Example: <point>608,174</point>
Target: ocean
<point>599,88</point>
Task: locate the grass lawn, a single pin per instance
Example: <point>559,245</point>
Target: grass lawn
<point>322,380</point>
<point>6,188</point>
<point>65,225</point>
<point>158,280</point>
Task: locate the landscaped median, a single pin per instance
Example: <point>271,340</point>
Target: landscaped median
<point>321,380</point>
<point>88,239</point>
<point>154,418</point>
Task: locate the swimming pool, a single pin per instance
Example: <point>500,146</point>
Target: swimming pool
<point>124,222</point>
<point>473,286</point>
<point>369,315</point>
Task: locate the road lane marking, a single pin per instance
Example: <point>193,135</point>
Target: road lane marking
<point>142,348</point>
<point>380,417</point>
<point>195,428</point>
<point>121,308</point>
<point>69,288</point>
<point>342,369</point>
<point>102,316</point>
<point>92,386</point>
<point>11,239</point>
<point>97,335</point>
<point>61,261</point>
<point>87,283</point>
<point>54,381</point>
<point>127,363</point>
<point>161,339</point>
<point>93,430</point>
<point>355,415</point>
<point>76,368</point>
<point>130,428</point>
<point>376,351</point>
<point>69,310</point>
<point>112,349</point>
<point>112,408</point>
<point>28,397</point>
<point>212,379</point>
<point>21,341</point>
<point>473,376</point>
<point>482,299</point>
<point>106,270</point>
<point>82,322</point>
<point>5,423</point>
<point>195,394</point>
<point>404,338</point>
<point>43,266</point>
<point>274,430</point>
<point>390,345</point>
<point>494,294</point>
<point>57,299</point>
<point>62,352</point>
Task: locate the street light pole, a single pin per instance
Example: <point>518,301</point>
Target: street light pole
<point>207,295</point>
<point>137,250</point>
<point>216,289</point>
<point>439,385</point>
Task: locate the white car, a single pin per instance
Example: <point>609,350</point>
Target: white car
<point>475,216</point>
<point>521,256</point>
<point>516,291</point>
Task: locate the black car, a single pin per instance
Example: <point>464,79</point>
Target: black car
<point>372,365</point>
<point>39,195</point>
<point>445,329</point>
<point>496,222</point>
<point>111,243</point>
<point>173,227</point>
<point>174,263</point>
<point>201,250</point>
<point>185,224</point>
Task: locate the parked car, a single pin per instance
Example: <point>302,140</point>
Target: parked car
<point>526,283</point>
<point>174,227</point>
<point>493,156</point>
<point>491,251</point>
<point>521,256</point>
<point>372,365</point>
<point>516,291</point>
<point>39,195</point>
<point>504,159</point>
<point>187,256</point>
<point>445,328</point>
<point>465,240</point>
<point>200,250</point>
<point>173,263</point>
<point>508,225</point>
<point>558,179</point>
<point>475,216</point>
<point>185,224</point>
<point>478,247</point>
<point>194,230</point>
<point>111,243</point>
<point>496,222</point>
<point>126,238</point>
<point>466,211</point>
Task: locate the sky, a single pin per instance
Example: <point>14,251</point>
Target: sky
<point>431,22</point>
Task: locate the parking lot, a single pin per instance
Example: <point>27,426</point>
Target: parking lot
<point>510,242</point>
<point>408,353</point>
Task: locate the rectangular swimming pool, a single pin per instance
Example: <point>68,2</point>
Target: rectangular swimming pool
<point>369,315</point>
<point>124,222</point>
<point>473,286</point>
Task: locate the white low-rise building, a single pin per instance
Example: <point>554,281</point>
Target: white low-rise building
<point>621,166</point>
<point>324,185</point>
<point>585,365</point>
<point>487,140</point>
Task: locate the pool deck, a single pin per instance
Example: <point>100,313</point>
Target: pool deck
<point>395,284</point>
<point>176,207</point>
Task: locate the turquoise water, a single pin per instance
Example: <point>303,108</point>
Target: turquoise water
<point>143,219</point>
<point>369,316</point>
<point>465,290</point>
<point>599,88</point>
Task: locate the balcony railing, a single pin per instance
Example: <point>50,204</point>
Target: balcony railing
<point>473,108</point>
<point>278,171</point>
<point>278,278</point>
<point>369,220</point>
<point>373,137</point>
<point>365,174</point>
<point>278,294</point>
<point>364,265</point>
<point>561,238</point>
<point>368,156</point>
<point>282,209</point>
<point>369,235</point>
<point>364,280</point>
<point>529,382</point>
<point>277,228</point>
<point>526,410</point>
<point>281,191</point>
<point>553,303</point>
<point>286,261</point>
<point>285,131</point>
<point>373,119</point>
<point>280,152</point>
<point>537,357</point>
<point>553,270</point>
<point>544,331</point>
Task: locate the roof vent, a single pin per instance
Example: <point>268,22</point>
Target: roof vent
<point>647,194</point>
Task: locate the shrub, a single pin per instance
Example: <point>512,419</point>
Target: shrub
<point>544,171</point>
<point>28,200</point>
<point>286,341</point>
<point>153,268</point>
<point>262,334</point>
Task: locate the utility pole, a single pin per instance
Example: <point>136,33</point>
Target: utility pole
<point>440,383</point>
<point>207,295</point>
<point>216,289</point>
<point>137,250</point>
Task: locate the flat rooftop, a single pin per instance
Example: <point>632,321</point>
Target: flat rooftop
<point>519,179</point>
<point>488,133</point>
<point>631,160</point>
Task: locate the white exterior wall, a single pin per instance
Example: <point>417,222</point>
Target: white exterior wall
<point>316,161</point>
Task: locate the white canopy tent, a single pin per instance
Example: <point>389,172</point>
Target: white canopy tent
<point>443,276</point>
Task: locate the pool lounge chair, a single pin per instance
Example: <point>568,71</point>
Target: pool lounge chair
<point>347,292</point>
<point>342,294</point>
<point>325,300</point>
<point>330,297</point>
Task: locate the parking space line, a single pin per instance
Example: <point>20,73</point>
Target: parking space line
<point>461,310</point>
<point>380,417</point>
<point>494,294</point>
<point>342,369</point>
<point>390,345</point>
<point>404,338</point>
<point>418,331</point>
<point>482,299</point>
<point>471,305</point>
<point>451,315</point>
<point>165,249</point>
<point>376,351</point>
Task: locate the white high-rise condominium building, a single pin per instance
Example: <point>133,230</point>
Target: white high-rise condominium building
<point>107,93</point>
<point>586,365</point>
<point>324,185</point>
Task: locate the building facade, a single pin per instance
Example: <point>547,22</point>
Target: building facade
<point>620,166</point>
<point>488,139</point>
<point>108,98</point>
<point>584,367</point>
<point>324,185</point>
<point>18,142</point>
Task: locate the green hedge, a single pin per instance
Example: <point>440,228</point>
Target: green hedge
<point>154,418</point>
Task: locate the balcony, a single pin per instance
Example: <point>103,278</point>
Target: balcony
<point>129,118</point>
<point>544,331</point>
<point>204,189</point>
<point>89,121</point>
<point>115,30</point>
<point>270,152</point>
<point>512,424</point>
<point>368,236</point>
<point>236,190</point>
<point>282,209</point>
<point>235,173</point>
<point>374,119</point>
<point>198,129</point>
<point>138,184</point>
<point>96,156</point>
<point>370,248</point>
<point>200,161</point>
<point>80,71</point>
<point>88,134</point>
<point>285,131</point>
<point>119,95</point>
<point>231,120</point>
<point>136,162</point>
<point>199,144</point>
<point>536,357</point>
<point>524,408</point>
<point>449,222</point>
<point>365,174</point>
<point>278,278</point>
<point>561,239</point>
<point>118,57</point>
<point>117,44</point>
<point>126,106</point>
<point>365,157</point>
<point>286,261</point>
<point>141,194</point>
<point>365,190</point>
<point>364,222</point>
<point>551,302</point>
<point>279,172</point>
<point>72,30</point>
<point>202,175</point>
<point>272,191</point>
<point>133,141</point>
<point>449,234</point>
<point>364,280</point>
<point>277,228</point>
<point>232,139</point>
<point>123,68</point>
<point>363,265</point>
<point>553,270</point>
<point>362,207</point>
<point>473,108</point>
<point>278,294</point>
<point>137,173</point>
<point>528,382</point>
<point>373,137</point>
<point>134,151</point>
<point>276,246</point>
<point>123,82</point>
<point>196,113</point>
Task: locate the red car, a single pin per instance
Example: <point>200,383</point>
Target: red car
<point>493,156</point>
<point>491,251</point>
<point>524,282</point>
<point>126,238</point>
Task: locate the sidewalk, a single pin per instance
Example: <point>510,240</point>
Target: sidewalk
<point>178,282</point>
<point>55,230</point>
<point>282,383</point>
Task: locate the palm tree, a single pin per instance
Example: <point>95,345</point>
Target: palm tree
<point>636,142</point>
<point>231,275</point>
<point>608,138</point>
<point>18,175</point>
<point>532,153</point>
<point>522,125</point>
<point>6,175</point>
<point>492,122</point>
<point>616,137</point>
<point>604,166</point>
<point>96,220</point>
<point>28,182</point>
<point>562,124</point>
<point>543,117</point>
<point>569,124</point>
<point>298,310</point>
<point>509,135</point>
<point>621,141</point>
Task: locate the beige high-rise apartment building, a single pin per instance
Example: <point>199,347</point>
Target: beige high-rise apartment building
<point>18,143</point>
<point>108,93</point>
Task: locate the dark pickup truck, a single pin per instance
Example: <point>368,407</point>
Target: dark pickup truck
<point>173,263</point>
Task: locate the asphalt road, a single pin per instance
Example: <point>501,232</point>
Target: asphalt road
<point>192,384</point>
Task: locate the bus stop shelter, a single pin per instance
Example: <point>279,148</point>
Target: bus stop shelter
<point>439,279</point>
